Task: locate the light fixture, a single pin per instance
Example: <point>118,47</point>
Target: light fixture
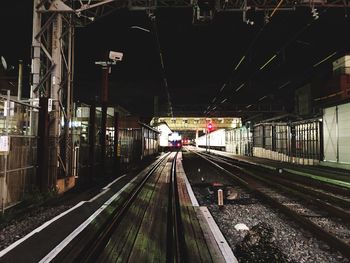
<point>241,86</point>
<point>3,63</point>
<point>141,28</point>
<point>314,13</point>
<point>249,22</point>
<point>239,63</point>
<point>268,62</point>
<point>91,18</point>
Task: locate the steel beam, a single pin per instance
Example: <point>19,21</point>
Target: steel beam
<point>52,77</point>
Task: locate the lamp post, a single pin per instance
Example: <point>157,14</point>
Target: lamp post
<point>106,65</point>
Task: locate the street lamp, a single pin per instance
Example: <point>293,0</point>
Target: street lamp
<point>113,58</point>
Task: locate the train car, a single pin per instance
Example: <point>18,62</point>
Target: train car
<point>214,140</point>
<point>175,141</point>
<point>186,141</point>
<point>164,132</point>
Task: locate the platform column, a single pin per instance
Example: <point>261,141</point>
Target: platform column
<point>116,141</point>
<point>92,140</point>
<point>43,146</point>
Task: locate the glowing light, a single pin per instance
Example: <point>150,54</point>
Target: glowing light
<point>264,97</point>
<point>241,86</point>
<point>325,59</point>
<point>268,62</point>
<point>222,88</point>
<point>239,63</point>
<point>283,85</point>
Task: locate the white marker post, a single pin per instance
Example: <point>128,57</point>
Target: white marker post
<point>220,197</point>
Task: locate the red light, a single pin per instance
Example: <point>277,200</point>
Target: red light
<point>178,145</point>
<point>209,126</point>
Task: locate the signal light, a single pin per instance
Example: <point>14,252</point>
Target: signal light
<point>209,126</point>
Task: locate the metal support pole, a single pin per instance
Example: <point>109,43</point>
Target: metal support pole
<point>35,68</point>
<point>4,184</point>
<point>69,102</point>
<point>20,77</point>
<point>104,101</point>
<point>55,115</point>
<point>116,141</point>
<point>92,140</point>
<point>43,146</point>
<point>337,131</point>
<point>206,139</point>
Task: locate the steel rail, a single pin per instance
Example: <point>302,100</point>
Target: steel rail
<point>175,249</point>
<point>329,238</point>
<point>333,196</point>
<point>93,248</point>
<point>333,188</point>
<point>308,195</point>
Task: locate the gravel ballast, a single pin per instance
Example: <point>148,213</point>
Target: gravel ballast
<point>272,237</point>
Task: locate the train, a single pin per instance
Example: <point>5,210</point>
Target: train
<point>213,140</point>
<point>168,139</point>
<point>175,141</point>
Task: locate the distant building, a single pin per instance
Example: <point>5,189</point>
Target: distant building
<point>330,89</point>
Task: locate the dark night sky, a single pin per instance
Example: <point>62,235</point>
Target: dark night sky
<point>198,59</point>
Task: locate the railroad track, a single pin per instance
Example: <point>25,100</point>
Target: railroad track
<point>330,183</point>
<point>339,200</point>
<point>329,223</point>
<point>89,246</point>
<point>146,223</point>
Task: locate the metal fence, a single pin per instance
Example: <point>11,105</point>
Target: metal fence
<point>18,150</point>
<point>297,142</point>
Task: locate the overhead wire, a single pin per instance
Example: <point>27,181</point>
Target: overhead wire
<point>242,59</point>
<point>302,30</point>
<point>164,77</point>
<point>251,46</point>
